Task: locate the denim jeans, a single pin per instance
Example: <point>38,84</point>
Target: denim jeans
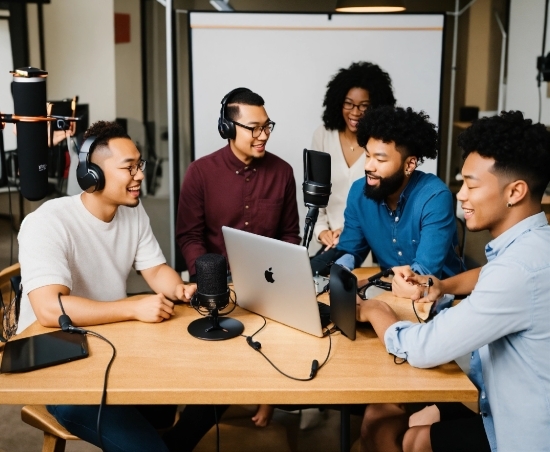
<point>129,428</point>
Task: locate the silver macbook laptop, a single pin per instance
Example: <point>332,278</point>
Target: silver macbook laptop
<point>273,278</point>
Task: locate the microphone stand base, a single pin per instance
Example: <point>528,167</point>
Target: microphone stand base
<point>207,329</point>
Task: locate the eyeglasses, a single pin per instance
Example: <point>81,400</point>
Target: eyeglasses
<point>134,168</point>
<point>349,106</point>
<point>257,131</point>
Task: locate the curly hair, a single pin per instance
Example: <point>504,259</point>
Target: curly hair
<point>104,131</point>
<point>411,132</point>
<point>364,75</point>
<point>232,110</point>
<point>520,148</point>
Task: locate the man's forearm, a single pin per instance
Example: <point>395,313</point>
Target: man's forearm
<point>378,314</point>
<point>461,284</point>
<point>163,279</point>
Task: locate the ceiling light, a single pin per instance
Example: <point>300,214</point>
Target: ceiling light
<point>221,5</point>
<point>370,6</point>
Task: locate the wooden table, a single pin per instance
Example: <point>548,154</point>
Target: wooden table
<point>162,364</point>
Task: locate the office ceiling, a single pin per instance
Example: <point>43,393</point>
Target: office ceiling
<point>310,5</point>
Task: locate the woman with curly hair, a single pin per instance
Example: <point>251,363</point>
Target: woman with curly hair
<point>349,94</point>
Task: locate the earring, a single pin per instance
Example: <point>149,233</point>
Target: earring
<point>407,173</point>
<point>509,204</point>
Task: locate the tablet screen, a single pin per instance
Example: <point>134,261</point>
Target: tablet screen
<point>43,350</point>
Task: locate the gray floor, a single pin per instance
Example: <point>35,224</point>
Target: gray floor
<point>15,436</point>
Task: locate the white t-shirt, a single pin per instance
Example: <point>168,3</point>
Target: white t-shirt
<point>63,243</point>
<point>341,176</point>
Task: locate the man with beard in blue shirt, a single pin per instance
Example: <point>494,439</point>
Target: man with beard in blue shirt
<point>405,216</point>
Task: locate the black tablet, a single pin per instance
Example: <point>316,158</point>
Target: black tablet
<point>43,350</point>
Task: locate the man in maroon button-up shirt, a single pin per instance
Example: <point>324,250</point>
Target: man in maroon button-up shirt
<point>241,185</point>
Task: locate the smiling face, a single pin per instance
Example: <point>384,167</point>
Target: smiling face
<point>385,170</point>
<point>484,196</point>
<point>121,188</point>
<point>244,146</point>
<point>357,96</point>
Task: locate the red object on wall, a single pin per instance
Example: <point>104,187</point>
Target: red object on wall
<point>122,28</point>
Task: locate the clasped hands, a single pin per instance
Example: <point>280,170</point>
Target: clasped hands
<point>405,284</point>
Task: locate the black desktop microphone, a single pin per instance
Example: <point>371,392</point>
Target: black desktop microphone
<point>212,290</point>
<point>29,99</point>
<point>212,295</point>
<point>316,188</point>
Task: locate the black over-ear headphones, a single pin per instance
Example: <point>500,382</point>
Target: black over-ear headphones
<point>225,126</point>
<point>90,177</point>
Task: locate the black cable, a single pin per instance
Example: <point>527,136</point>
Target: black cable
<point>315,367</point>
<point>105,378</point>
<point>217,428</point>
<point>540,102</point>
<point>108,368</point>
<point>420,320</point>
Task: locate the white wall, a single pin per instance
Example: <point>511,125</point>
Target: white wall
<point>129,102</point>
<point>80,53</point>
<point>524,45</point>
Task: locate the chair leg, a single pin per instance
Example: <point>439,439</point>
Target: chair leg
<point>53,443</point>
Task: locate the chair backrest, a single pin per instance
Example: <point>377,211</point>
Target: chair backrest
<point>8,293</point>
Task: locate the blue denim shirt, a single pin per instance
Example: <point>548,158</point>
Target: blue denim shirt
<point>421,232</point>
<point>507,317</point>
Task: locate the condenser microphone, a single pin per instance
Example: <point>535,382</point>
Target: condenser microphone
<point>29,100</point>
<point>316,188</point>
<point>212,295</point>
<point>212,290</point>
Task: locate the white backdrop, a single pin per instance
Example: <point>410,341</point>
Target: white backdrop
<point>6,65</point>
<point>289,58</point>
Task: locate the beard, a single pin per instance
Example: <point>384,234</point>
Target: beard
<point>386,187</point>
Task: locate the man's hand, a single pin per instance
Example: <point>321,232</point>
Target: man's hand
<point>427,416</point>
<point>401,286</point>
<point>184,292</point>
<point>330,238</point>
<point>153,308</point>
<point>425,293</point>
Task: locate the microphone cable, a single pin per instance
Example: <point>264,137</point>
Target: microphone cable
<point>68,327</point>
<point>315,367</point>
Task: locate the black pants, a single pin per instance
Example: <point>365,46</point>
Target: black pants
<point>194,423</point>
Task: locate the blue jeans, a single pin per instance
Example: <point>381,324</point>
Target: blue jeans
<point>129,428</point>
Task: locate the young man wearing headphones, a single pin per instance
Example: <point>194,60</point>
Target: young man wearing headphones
<point>241,185</point>
<point>78,251</point>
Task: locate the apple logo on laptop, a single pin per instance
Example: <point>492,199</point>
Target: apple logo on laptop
<point>269,275</point>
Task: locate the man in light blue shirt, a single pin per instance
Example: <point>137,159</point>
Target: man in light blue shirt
<point>406,217</point>
<point>505,321</point>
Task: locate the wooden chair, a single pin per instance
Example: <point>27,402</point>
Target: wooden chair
<point>55,435</point>
<point>5,283</point>
<point>37,416</point>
